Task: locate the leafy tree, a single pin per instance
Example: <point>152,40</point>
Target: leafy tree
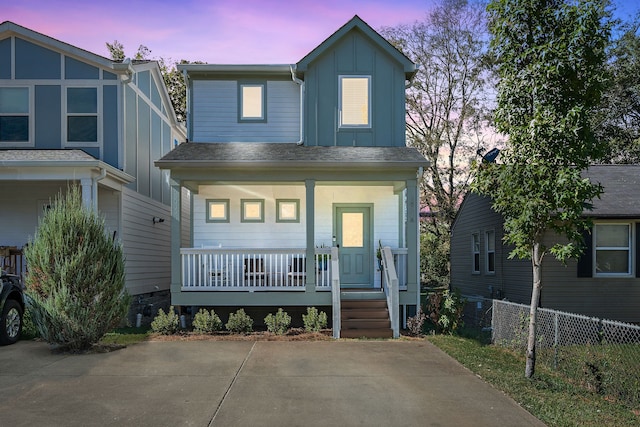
<point>618,119</point>
<point>551,63</point>
<point>447,113</point>
<point>75,282</point>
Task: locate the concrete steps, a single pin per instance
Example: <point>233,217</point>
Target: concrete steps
<point>364,314</point>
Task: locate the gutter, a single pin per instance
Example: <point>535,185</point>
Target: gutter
<point>302,93</point>
<point>127,68</point>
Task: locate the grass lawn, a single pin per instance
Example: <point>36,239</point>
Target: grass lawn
<point>126,336</point>
<point>549,396</point>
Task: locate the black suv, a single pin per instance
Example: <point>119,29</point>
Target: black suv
<point>11,308</point>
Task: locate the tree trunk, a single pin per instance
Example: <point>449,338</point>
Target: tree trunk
<point>536,261</point>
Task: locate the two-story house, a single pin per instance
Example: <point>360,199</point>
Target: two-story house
<point>70,117</point>
<point>299,173</point>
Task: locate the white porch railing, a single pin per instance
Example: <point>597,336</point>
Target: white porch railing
<point>212,269</point>
<point>400,257</point>
<point>390,286</point>
<point>335,293</point>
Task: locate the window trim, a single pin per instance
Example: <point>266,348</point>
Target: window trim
<point>487,251</point>
<point>209,218</point>
<point>629,248</point>
<point>297,210</point>
<point>341,125</point>
<point>244,203</point>
<point>66,115</point>
<point>30,117</point>
<point>252,83</point>
<point>475,270</point>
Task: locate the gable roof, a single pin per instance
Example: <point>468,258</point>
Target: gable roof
<point>357,23</point>
<point>283,155</point>
<point>620,198</point>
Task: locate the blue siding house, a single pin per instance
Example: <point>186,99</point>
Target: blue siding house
<point>70,116</point>
<point>300,176</point>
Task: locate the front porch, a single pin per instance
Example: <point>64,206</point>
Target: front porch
<point>251,270</point>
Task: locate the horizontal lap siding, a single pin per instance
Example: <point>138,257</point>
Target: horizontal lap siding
<point>146,245</point>
<point>215,113</point>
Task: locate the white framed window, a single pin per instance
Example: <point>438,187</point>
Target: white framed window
<point>82,115</point>
<point>612,243</point>
<point>490,254</point>
<point>252,106</point>
<point>355,101</point>
<point>14,115</point>
<point>475,252</point>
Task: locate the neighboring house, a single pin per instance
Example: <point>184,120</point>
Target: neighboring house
<point>285,162</point>
<point>604,283</point>
<point>68,116</point>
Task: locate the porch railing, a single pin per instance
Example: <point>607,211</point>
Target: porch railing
<point>210,269</point>
<point>390,286</point>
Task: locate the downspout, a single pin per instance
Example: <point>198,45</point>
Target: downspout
<point>94,187</point>
<point>187,112</point>
<point>302,92</point>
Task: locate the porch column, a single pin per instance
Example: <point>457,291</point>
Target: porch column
<point>413,238</point>
<point>86,188</point>
<point>310,185</point>
<point>176,209</point>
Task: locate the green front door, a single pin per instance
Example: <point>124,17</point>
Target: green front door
<point>353,236</point>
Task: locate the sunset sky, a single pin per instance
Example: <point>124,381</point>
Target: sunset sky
<point>214,31</point>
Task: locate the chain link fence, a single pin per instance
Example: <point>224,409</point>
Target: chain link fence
<point>601,355</point>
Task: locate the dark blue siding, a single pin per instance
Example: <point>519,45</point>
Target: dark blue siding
<point>167,142</point>
<point>144,141</point>
<point>74,69</point>
<point>110,125</point>
<point>156,153</point>
<point>5,58</point>
<point>108,76</point>
<point>35,62</point>
<point>48,116</point>
<point>155,96</point>
<point>93,151</point>
<point>131,137</point>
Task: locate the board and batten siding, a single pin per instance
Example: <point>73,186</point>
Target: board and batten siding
<point>215,113</point>
<point>146,245</point>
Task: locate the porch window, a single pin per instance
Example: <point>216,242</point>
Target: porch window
<point>287,210</point>
<point>353,230</point>
<point>252,102</point>
<point>612,247</point>
<point>475,250</point>
<point>217,210</point>
<point>355,101</point>
<point>14,114</point>
<point>252,210</point>
<point>82,114</point>
<point>490,258</point>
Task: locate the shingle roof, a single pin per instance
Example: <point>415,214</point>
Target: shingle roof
<point>621,196</point>
<point>44,155</point>
<point>288,154</point>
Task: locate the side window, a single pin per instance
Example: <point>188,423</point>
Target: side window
<point>475,251</point>
<point>252,105</point>
<point>490,245</point>
<point>612,247</point>
<point>14,114</point>
<point>82,114</point>
<point>355,101</point>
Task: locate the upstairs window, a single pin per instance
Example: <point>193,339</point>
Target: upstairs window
<point>14,114</point>
<point>82,114</point>
<point>475,251</point>
<point>490,243</point>
<point>612,246</point>
<point>252,102</point>
<point>355,101</point>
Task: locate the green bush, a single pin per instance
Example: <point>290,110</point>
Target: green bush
<point>279,323</point>
<point>445,311</point>
<point>239,322</point>
<point>76,282</point>
<point>205,322</point>
<point>29,329</point>
<point>165,323</point>
<point>415,324</point>
<point>314,321</point>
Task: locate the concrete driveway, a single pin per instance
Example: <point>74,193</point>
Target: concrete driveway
<point>242,383</point>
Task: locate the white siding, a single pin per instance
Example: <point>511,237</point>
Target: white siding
<point>215,113</point>
<point>146,245</point>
